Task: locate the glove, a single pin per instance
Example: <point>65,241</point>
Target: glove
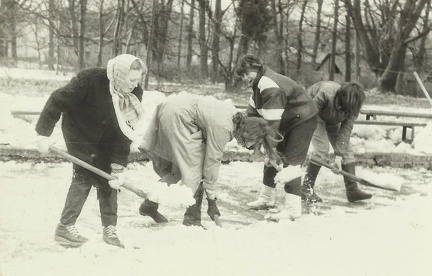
<point>43,144</point>
<point>337,164</point>
<point>272,163</point>
<point>118,172</point>
<point>212,210</point>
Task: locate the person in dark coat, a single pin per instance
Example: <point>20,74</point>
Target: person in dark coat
<point>339,106</point>
<point>101,114</point>
<point>286,106</point>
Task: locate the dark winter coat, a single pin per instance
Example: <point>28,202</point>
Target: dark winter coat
<point>281,100</point>
<point>89,123</point>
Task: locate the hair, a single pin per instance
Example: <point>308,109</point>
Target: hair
<point>258,131</point>
<point>139,65</point>
<point>350,96</point>
<point>249,62</point>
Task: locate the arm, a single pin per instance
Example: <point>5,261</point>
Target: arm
<point>60,101</point>
<point>344,136</point>
<point>251,110</point>
<point>217,138</point>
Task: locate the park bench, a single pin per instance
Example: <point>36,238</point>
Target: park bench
<point>374,113</point>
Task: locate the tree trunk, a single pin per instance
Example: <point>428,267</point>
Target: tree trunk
<point>300,36</point>
<point>317,31</point>
<point>370,49</point>
<point>83,12</point>
<point>74,27</point>
<point>334,40</point>
<point>190,36</point>
<point>348,49</point>
<point>278,27</point>
<point>387,82</point>
<point>101,35</point>
<point>202,39</point>
<point>117,40</point>
<point>50,58</point>
<point>151,42</point>
<point>180,37</point>
<point>216,41</point>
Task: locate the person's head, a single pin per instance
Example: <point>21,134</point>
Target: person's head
<point>248,67</point>
<point>254,133</point>
<point>350,97</point>
<point>126,72</point>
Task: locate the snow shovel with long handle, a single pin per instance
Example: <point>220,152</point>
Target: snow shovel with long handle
<point>95,170</point>
<point>360,180</point>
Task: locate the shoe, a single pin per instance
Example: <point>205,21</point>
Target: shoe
<point>308,193</point>
<point>110,236</point>
<point>266,199</point>
<point>150,208</point>
<point>68,235</point>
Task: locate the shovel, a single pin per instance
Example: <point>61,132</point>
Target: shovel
<point>386,186</point>
<point>97,171</point>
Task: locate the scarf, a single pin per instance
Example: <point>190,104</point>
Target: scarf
<point>128,108</point>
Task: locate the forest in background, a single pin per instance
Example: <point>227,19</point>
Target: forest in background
<point>379,43</point>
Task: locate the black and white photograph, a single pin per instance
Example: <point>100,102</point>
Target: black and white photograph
<point>215,137</point>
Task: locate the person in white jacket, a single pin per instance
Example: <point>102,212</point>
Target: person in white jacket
<point>186,140</point>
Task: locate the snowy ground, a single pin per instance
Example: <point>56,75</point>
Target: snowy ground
<point>387,235</point>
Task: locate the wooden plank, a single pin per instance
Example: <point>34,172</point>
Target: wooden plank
<point>389,123</point>
<point>374,112</point>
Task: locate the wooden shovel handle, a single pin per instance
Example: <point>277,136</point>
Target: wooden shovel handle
<point>321,162</point>
<point>95,170</point>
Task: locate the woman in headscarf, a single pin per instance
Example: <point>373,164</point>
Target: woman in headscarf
<point>339,106</point>
<point>186,140</point>
<point>101,114</point>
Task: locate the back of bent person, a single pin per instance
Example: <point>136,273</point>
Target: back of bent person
<point>186,141</point>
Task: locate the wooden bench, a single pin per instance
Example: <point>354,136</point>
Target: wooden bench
<point>403,124</point>
<point>373,113</point>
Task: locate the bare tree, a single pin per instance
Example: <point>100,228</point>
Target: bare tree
<point>191,35</point>
<point>317,31</point>
<point>202,38</point>
<point>300,35</point>
<point>334,40</point>
<point>81,52</point>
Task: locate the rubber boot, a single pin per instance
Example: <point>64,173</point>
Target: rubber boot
<point>150,208</point>
<point>292,207</point>
<point>192,216</point>
<point>266,199</point>
<point>308,192</point>
<point>353,193</point>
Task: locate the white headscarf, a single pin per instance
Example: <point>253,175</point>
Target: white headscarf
<point>128,108</point>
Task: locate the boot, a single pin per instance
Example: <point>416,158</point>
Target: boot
<point>150,208</point>
<point>292,207</point>
<point>308,192</point>
<point>192,216</point>
<point>68,235</point>
<point>353,193</point>
<point>266,199</point>
<point>110,236</point>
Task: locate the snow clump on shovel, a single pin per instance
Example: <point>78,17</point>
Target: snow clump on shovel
<point>171,195</point>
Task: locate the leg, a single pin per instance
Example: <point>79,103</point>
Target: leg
<point>321,146</point>
<point>353,193</point>
<point>150,208</point>
<point>192,216</point>
<point>66,233</point>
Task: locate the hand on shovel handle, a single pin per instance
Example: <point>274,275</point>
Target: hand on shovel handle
<point>95,170</point>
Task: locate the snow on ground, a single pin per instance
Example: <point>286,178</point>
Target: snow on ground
<point>387,235</point>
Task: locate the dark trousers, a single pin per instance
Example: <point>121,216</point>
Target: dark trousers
<point>82,182</point>
<point>294,148</point>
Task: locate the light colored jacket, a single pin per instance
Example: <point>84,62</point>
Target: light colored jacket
<point>338,123</point>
